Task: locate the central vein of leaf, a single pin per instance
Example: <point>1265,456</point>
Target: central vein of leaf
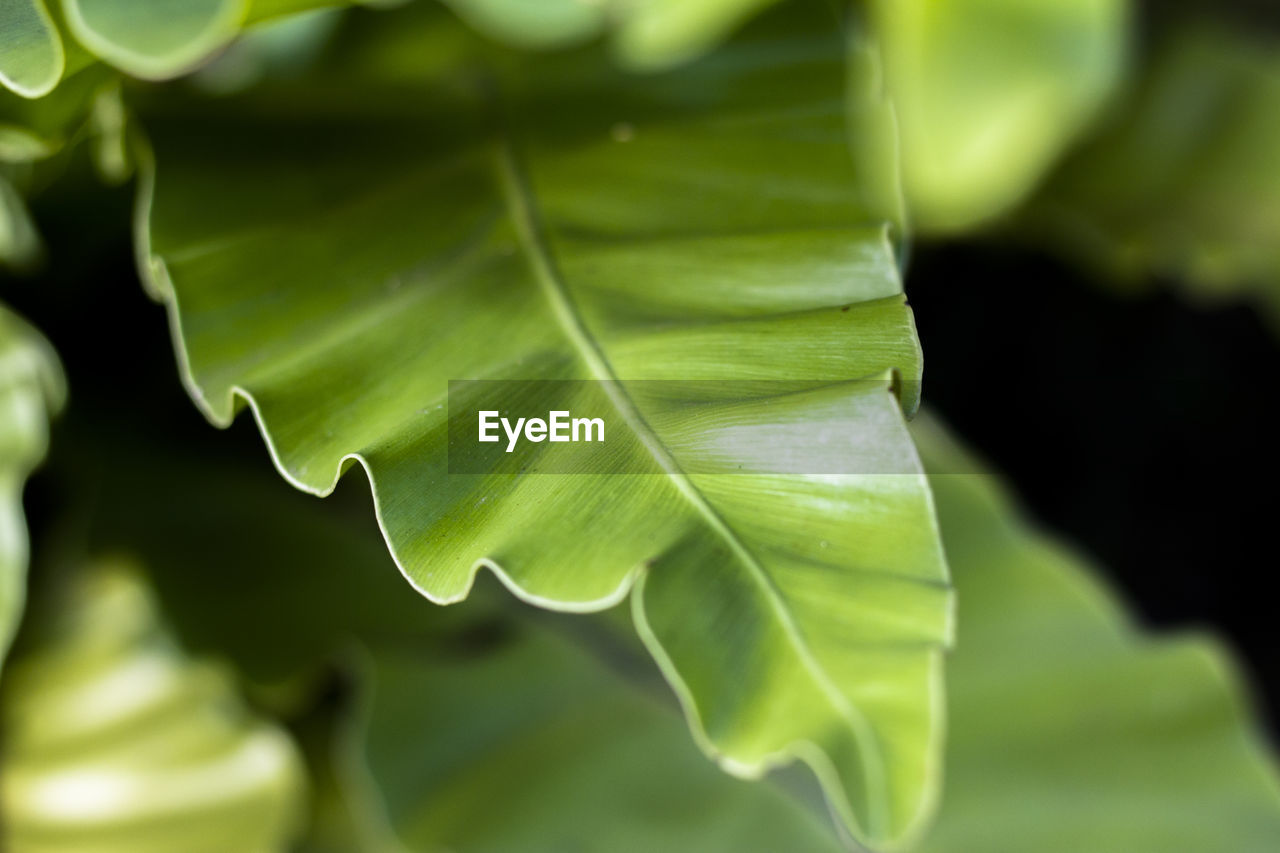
<point>518,196</point>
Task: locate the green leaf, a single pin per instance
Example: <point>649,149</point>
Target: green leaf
<point>646,34</point>
<point>334,252</point>
<point>1184,181</point>
<point>35,130</point>
<point>1069,728</point>
<point>20,246</point>
<point>159,39</point>
<point>989,93</point>
<point>31,57</point>
<point>114,741</point>
<point>31,390</point>
<point>548,750</point>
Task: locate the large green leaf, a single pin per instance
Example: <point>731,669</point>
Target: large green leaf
<point>31,57</point>
<point>335,251</point>
<point>114,741</point>
<point>1184,181</point>
<point>989,93</point>
<point>1070,729</point>
<point>31,389</point>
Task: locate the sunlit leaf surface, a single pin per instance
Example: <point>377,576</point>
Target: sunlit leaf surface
<point>31,389</point>
<point>334,252</point>
<point>114,741</point>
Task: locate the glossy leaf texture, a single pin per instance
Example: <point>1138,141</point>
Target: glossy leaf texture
<point>989,94</point>
<point>335,251</point>
<point>115,741</point>
<point>31,56</point>
<point>1070,728</point>
<point>32,389</point>
<point>1183,183</point>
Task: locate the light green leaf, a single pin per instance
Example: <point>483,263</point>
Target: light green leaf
<point>31,57</point>
<point>989,93</point>
<point>20,246</point>
<point>546,751</point>
<point>159,39</point>
<point>332,254</point>
<point>645,34</point>
<point>1070,729</point>
<point>1184,181</point>
<point>114,741</point>
<point>31,390</point>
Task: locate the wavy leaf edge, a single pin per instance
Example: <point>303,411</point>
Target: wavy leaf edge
<point>157,283</point>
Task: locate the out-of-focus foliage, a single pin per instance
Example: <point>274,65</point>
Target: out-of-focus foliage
<point>20,246</point>
<point>645,34</point>
<point>31,390</point>
<point>990,93</point>
<point>114,741</point>
<point>565,755</point>
<point>1184,182</point>
<point>796,615</point>
<point>31,57</point>
<point>1069,729</point>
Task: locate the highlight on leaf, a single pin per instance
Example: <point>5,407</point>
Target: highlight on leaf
<point>115,741</point>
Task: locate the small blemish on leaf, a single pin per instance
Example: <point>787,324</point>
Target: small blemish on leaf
<point>622,132</point>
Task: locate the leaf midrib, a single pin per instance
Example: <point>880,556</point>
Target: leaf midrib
<point>518,196</point>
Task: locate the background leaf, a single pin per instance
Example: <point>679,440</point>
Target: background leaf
<point>579,760</point>
<point>31,390</point>
<point>31,58</point>
<point>1070,729</point>
<point>115,742</point>
<point>989,94</point>
<point>409,237</point>
<point>1183,183</point>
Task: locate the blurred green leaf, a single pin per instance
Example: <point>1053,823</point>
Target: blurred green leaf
<point>20,246</point>
<point>1070,729</point>
<point>645,34</point>
<point>333,252</point>
<point>547,750</point>
<point>990,93</point>
<point>31,390</point>
<point>1184,182</point>
<point>160,39</point>
<point>114,741</point>
<point>31,57</point>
